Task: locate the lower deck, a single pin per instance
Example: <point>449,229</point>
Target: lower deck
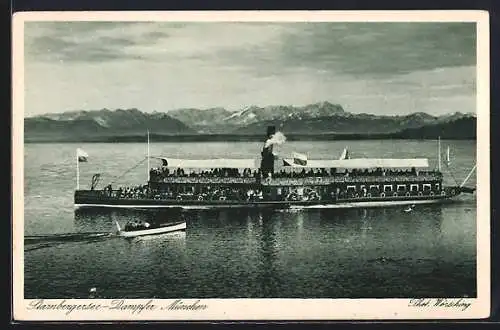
<point>98,199</point>
<point>278,193</point>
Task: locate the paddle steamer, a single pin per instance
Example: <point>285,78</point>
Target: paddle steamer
<point>272,181</point>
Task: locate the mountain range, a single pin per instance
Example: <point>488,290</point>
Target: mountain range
<point>318,119</point>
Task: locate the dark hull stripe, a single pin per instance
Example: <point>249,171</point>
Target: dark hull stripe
<point>359,202</point>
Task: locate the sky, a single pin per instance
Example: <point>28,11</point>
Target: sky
<point>377,67</point>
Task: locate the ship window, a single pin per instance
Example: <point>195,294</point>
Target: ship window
<point>374,186</point>
<point>414,187</point>
<point>351,187</point>
<point>278,191</point>
<point>401,187</point>
<point>427,186</point>
<point>387,187</point>
<point>437,186</point>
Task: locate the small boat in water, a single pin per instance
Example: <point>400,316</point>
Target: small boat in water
<point>141,228</point>
<point>134,229</point>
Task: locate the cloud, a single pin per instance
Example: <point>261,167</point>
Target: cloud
<point>86,41</point>
<point>151,41</point>
<point>386,48</point>
<point>353,48</point>
<point>365,48</point>
<point>366,67</point>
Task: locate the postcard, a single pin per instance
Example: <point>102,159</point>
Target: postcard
<point>257,165</point>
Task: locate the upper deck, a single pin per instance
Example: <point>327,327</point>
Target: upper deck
<point>428,176</point>
<point>290,172</point>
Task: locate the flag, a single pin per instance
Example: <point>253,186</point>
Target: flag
<point>82,155</point>
<point>345,154</point>
<point>299,159</point>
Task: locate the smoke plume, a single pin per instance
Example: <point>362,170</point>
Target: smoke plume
<point>276,138</point>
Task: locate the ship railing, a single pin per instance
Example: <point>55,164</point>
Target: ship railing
<point>301,181</point>
<point>347,179</point>
<point>208,180</point>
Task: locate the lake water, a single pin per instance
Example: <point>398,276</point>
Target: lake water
<point>356,253</point>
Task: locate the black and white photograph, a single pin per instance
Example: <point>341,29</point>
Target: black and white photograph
<point>308,165</point>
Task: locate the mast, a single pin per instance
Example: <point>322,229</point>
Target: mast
<point>77,170</point>
<point>148,169</point>
<point>439,153</point>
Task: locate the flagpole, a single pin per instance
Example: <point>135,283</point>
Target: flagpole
<point>439,153</point>
<point>468,176</point>
<point>77,171</point>
<point>148,169</point>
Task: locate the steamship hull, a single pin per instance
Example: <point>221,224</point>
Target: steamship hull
<point>84,200</point>
<point>276,182</point>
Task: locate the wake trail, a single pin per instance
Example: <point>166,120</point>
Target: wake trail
<point>35,242</point>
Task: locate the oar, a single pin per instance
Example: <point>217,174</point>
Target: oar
<point>118,226</point>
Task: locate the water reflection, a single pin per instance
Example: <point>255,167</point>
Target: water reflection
<point>162,255</point>
<point>93,220</point>
<point>250,227</point>
<point>319,252</point>
<point>300,225</point>
<point>421,217</point>
<point>375,224</point>
<point>269,273</point>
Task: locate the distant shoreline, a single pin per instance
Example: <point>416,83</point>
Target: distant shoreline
<point>235,138</point>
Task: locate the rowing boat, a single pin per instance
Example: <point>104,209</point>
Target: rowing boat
<point>139,228</point>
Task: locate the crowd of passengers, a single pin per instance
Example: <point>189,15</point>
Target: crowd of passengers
<point>239,194</point>
<point>215,172</point>
<point>141,191</point>
<point>242,194</point>
<point>160,173</point>
<point>212,194</point>
<point>354,172</point>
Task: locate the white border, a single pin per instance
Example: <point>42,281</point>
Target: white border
<point>263,309</point>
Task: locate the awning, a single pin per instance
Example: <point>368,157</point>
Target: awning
<point>362,163</point>
<point>209,163</point>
